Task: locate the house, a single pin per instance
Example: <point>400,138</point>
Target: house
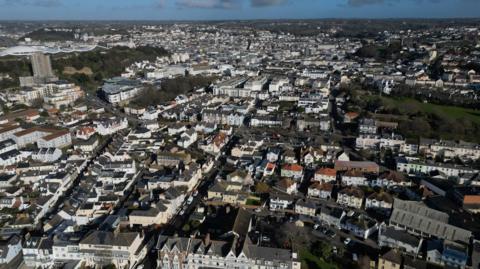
<point>289,157</point>
<point>359,224</point>
<point>367,126</point>
<point>191,252</point>
<point>86,145</point>
<point>361,166</point>
<point>175,129</point>
<point>9,202</point>
<point>306,207</point>
<point>269,169</point>
<point>286,185</point>
<point>325,175</point>
<point>110,126</point>
<point>120,90</point>
<point>219,141</point>
<point>7,145</point>
<point>354,178</point>
<point>331,216</point>
<point>454,255</point>
<point>10,249</point>
<point>266,121</point>
<point>351,197</point>
<point>228,192</point>
<point>47,155</point>
<point>10,157</point>
<point>37,251</point>
<point>155,215</point>
<point>273,154</point>
<point>415,167</point>
<point>471,203</point>
<point>349,117</point>
<point>102,248</point>
<point>85,132</point>
<point>449,149</point>
<point>311,155</point>
<point>390,260</point>
<point>222,117</point>
<point>240,176</point>
<point>7,130</point>
<point>44,137</point>
<point>389,179</point>
<point>399,239</point>
<point>57,139</point>
<point>187,138</point>
<point>294,171</point>
<point>381,201</point>
<point>280,201</point>
<point>320,190</point>
<point>447,253</point>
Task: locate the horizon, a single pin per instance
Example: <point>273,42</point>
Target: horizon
<point>247,20</point>
<point>226,10</point>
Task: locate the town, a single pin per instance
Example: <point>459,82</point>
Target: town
<point>240,145</point>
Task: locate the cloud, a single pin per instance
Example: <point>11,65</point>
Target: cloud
<point>359,3</point>
<point>222,4</point>
<point>35,3</point>
<point>267,3</point>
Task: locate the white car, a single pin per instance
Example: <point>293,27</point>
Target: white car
<point>347,241</point>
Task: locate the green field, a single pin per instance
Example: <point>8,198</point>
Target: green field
<point>411,106</point>
<point>310,261</point>
<point>417,119</point>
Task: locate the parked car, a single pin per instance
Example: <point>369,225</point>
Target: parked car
<point>330,233</point>
<point>347,241</point>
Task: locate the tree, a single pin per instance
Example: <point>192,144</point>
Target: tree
<point>321,249</point>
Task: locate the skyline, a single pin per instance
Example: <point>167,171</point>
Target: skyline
<point>234,9</point>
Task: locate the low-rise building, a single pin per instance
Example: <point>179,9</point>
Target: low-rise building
<point>351,197</point>
<point>325,175</point>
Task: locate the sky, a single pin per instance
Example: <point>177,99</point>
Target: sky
<point>233,9</point>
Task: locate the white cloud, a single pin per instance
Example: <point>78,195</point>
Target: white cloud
<point>225,4</point>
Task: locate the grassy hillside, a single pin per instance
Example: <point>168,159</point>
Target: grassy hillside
<point>417,119</point>
<point>411,107</point>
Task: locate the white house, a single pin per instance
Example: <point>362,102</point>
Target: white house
<point>354,178</point>
<point>325,175</point>
<point>48,155</point>
<point>380,201</point>
<point>110,126</point>
<point>11,248</point>
<point>280,202</point>
<point>351,197</point>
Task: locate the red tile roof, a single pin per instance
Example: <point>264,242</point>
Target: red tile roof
<point>327,172</point>
<point>293,167</point>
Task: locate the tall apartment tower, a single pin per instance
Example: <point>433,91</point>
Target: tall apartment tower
<point>42,67</point>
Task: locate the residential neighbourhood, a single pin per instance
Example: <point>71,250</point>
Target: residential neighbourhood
<point>241,146</point>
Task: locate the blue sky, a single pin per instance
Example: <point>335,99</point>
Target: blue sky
<point>233,9</point>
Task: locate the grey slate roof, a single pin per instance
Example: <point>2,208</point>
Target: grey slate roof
<point>417,216</point>
<point>109,238</point>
